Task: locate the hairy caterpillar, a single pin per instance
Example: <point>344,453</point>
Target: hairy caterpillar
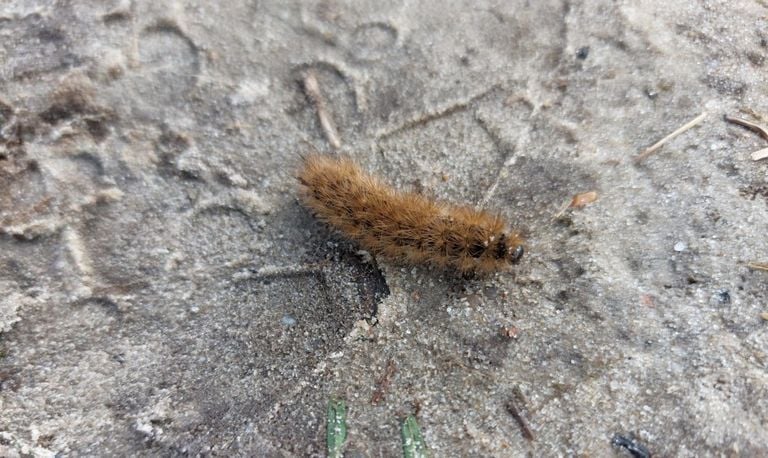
<point>402,226</point>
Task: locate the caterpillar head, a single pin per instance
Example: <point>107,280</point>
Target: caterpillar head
<point>515,253</point>
<point>509,248</point>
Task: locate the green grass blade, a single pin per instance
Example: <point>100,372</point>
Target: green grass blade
<point>413,442</point>
<point>336,428</point>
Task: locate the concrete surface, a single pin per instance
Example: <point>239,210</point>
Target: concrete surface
<point>162,292</point>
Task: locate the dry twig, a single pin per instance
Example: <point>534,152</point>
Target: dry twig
<point>383,384</point>
<point>758,265</point>
<point>749,125</point>
<point>760,154</point>
<point>427,117</point>
<point>652,149</point>
<point>524,428</point>
<point>312,89</point>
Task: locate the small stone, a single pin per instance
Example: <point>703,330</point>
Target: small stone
<point>680,246</point>
<point>510,332</point>
<point>723,296</point>
<point>288,321</point>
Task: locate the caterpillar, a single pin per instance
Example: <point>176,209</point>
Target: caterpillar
<point>405,227</point>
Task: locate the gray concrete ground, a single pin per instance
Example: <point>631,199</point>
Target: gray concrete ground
<point>163,293</point>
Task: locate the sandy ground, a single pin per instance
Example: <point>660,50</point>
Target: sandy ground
<point>163,293</point>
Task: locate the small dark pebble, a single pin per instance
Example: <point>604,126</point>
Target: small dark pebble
<point>582,52</point>
<point>634,448</point>
<point>724,296</point>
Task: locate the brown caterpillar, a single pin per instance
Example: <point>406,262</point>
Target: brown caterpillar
<point>403,226</point>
